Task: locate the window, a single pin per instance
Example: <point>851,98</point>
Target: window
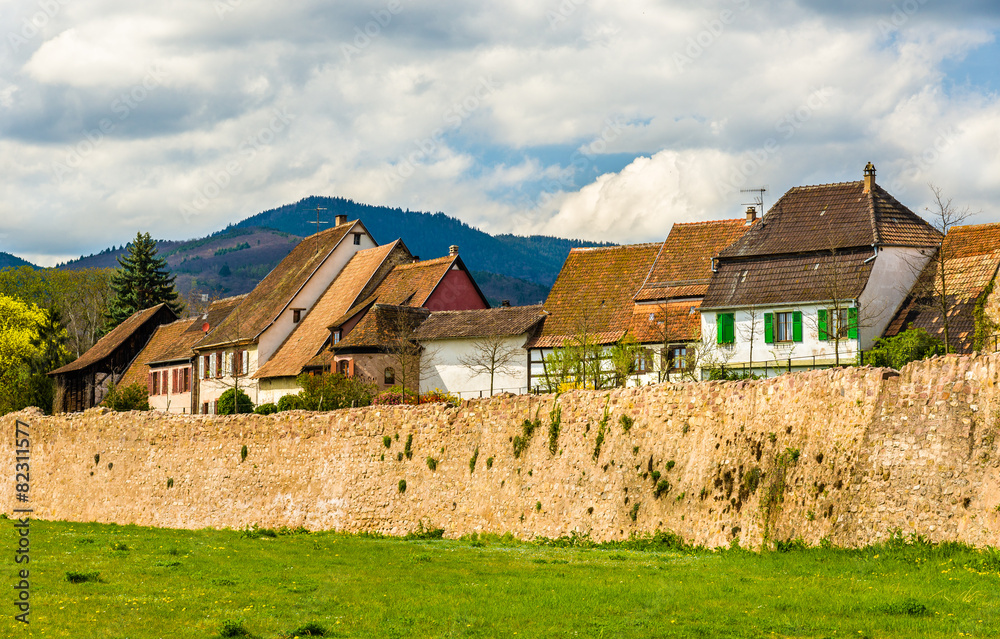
<point>218,364</point>
<point>297,315</point>
<point>344,367</point>
<point>357,239</point>
<point>205,366</point>
<point>390,376</point>
<point>725,325</point>
<point>644,361</point>
<point>336,337</point>
<point>204,408</point>
<point>677,359</point>
<point>155,384</point>
<point>785,326</point>
<point>838,323</point>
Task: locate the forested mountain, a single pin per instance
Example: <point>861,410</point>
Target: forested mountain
<point>6,259</point>
<point>232,261</point>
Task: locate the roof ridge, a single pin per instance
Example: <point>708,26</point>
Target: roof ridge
<point>732,220</point>
<point>827,184</point>
<point>581,249</point>
<point>873,216</point>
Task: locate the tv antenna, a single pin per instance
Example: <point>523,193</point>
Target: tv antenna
<point>317,222</point>
<point>758,200</point>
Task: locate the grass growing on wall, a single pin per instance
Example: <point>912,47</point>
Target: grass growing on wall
<point>188,584</point>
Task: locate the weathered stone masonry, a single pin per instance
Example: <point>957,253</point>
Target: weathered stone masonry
<point>848,454</point>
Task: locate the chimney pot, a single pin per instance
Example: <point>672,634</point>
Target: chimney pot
<point>340,219</point>
<point>453,249</point>
<point>505,303</point>
<point>416,258</point>
<point>869,177</point>
<point>751,214</point>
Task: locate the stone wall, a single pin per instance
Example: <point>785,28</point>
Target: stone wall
<point>847,454</point>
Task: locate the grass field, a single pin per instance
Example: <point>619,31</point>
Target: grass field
<point>90,580</point>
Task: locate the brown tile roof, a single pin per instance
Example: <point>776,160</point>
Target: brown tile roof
<point>407,285</point>
<point>381,326</point>
<point>683,266</point>
<point>789,279</point>
<point>683,322</point>
<point>269,298</point>
<point>107,344</point>
<point>170,342</point>
<point>972,259</point>
<point>833,216</point>
<point>218,310</point>
<point>595,288</point>
<point>509,320</point>
<point>361,273</point>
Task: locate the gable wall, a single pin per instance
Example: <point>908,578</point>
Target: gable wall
<point>895,272</point>
<point>455,293</point>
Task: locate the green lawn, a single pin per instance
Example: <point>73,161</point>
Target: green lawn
<point>176,583</point>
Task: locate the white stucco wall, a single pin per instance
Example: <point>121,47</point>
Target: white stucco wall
<point>638,379</point>
<point>893,275</point>
<point>171,402</point>
<point>211,389</point>
<point>441,369</point>
<point>276,333</point>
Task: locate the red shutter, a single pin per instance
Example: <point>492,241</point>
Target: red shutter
<point>156,383</point>
<point>173,381</point>
<point>149,384</point>
<point>163,383</point>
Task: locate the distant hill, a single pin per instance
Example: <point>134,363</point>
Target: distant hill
<point>535,258</point>
<point>6,259</point>
<point>232,261</point>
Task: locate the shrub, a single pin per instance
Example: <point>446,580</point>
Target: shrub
<point>408,448</point>
<point>394,396</point>
<point>256,532</point>
<point>311,629</point>
<point>908,606</point>
<point>634,513</point>
<point>602,428</point>
<point>126,398</point>
<point>266,409</point>
<point>332,391</point>
<point>170,482</point>
<point>662,487</point>
<point>82,577</point>
<point>243,452</point>
<point>438,395</point>
<point>538,506</point>
<point>234,401</point>
<point>233,628</point>
<point>402,485</point>
<point>910,345</point>
<point>424,533</point>
<point>472,460</point>
<point>289,402</point>
<point>626,423</point>
<point>555,424</point>
<point>387,441</point>
<point>432,463</point>
<point>527,429</point>
<point>670,465</point>
<point>489,463</point>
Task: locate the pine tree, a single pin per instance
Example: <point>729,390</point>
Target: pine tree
<point>142,281</point>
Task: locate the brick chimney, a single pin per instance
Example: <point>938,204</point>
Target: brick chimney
<point>453,249</point>
<point>869,177</point>
<point>751,215</point>
<point>340,219</point>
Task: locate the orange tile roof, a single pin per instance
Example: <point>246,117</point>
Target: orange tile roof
<point>594,292</point>
<point>107,344</point>
<point>682,324</point>
<point>833,216</point>
<point>218,310</point>
<point>365,269</point>
<point>972,260</point>
<point>407,285</point>
<point>170,342</point>
<point>683,266</point>
<point>270,297</point>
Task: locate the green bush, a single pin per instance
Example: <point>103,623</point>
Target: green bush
<point>234,401</point>
<point>402,485</point>
<point>309,630</point>
<point>387,441</point>
<point>331,391</point>
<point>289,402</point>
<point>266,409</point>
<point>126,398</point>
<point>910,345</point>
<point>432,463</point>
<point>233,628</point>
<point>82,577</point>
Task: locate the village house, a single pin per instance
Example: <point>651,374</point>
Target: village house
<point>85,382</point>
<point>232,352</point>
<point>361,341</point>
<point>971,259</point>
<point>816,281</point>
<point>461,348</point>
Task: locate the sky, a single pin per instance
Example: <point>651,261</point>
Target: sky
<point>591,119</point>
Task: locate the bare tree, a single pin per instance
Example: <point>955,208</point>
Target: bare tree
<point>491,355</point>
<point>749,330</point>
<point>944,216</point>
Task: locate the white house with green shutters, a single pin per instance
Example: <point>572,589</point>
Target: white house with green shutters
<point>816,281</point>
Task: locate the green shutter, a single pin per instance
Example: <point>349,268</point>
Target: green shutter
<point>769,328</point>
<point>725,328</point>
<point>720,328</point>
<point>730,328</point>
<point>797,326</point>
<point>823,335</point>
<point>852,318</point>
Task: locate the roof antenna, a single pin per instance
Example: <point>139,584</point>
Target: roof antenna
<point>317,222</point>
<point>758,200</point>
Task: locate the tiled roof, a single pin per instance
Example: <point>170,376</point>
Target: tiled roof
<point>170,342</point>
<point>218,310</point>
<point>509,320</point>
<point>972,258</point>
<point>683,322</point>
<point>789,279</point>
<point>407,285</point>
<point>833,216</point>
<point>312,333</point>
<point>683,266</point>
<point>381,326</point>
<point>270,297</point>
<point>594,292</point>
<point>107,344</point>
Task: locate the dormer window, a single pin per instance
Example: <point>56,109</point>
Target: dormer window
<point>336,336</point>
